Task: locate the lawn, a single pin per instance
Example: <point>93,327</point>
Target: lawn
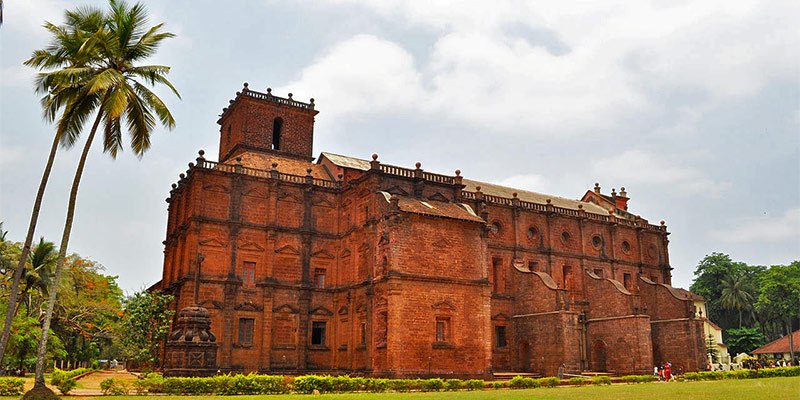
<point>767,388</point>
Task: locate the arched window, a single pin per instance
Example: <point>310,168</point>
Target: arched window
<point>277,129</point>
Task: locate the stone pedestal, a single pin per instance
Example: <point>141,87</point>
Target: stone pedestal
<point>191,349</point>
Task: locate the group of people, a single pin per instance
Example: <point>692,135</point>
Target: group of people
<point>758,364</point>
<point>664,373</point>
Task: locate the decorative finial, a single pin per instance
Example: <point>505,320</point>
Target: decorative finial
<point>224,109</point>
<point>269,91</point>
<point>274,165</point>
<point>663,223</point>
<point>580,206</point>
<point>374,156</point>
<point>245,85</point>
<point>174,185</point>
<point>477,188</point>
<point>340,176</point>
<point>290,96</point>
<point>597,187</point>
<point>308,171</point>
<point>622,192</point>
<point>182,175</point>
<point>549,201</point>
<point>458,172</point>
<point>418,164</point>
<point>311,101</point>
<point>613,192</point>
<point>230,101</point>
<point>191,165</point>
<point>239,160</point>
<point>514,195</point>
<point>201,152</point>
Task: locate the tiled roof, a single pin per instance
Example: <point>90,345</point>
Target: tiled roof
<point>286,165</point>
<point>486,188</point>
<point>781,345</point>
<point>435,208</point>
<point>532,197</point>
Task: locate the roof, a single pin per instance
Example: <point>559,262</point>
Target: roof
<point>486,188</point>
<point>781,345</point>
<point>435,208</point>
<point>286,165</point>
<point>532,197</point>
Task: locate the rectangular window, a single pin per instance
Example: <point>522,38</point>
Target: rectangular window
<point>500,336</point>
<point>442,329</point>
<point>246,331</point>
<point>363,333</point>
<point>317,333</point>
<point>626,280</point>
<point>249,274</point>
<point>319,277</point>
<point>497,284</point>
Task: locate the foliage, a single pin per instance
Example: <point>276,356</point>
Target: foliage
<point>115,387</point>
<point>11,386</point>
<point>742,374</point>
<point>711,272</point>
<point>744,340</point>
<point>601,380</point>
<point>145,325</point>
<point>578,381</point>
<point>60,375</point>
<point>637,378</point>
<point>66,385</point>
<point>780,292</point>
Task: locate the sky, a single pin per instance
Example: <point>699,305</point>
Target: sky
<point>692,106</point>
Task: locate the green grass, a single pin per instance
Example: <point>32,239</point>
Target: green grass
<point>767,388</point>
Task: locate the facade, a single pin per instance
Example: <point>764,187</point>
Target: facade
<point>350,265</point>
<point>782,348</point>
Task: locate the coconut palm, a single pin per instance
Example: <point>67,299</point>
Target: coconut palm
<point>38,276</point>
<point>110,85</point>
<point>735,296</point>
<point>71,49</point>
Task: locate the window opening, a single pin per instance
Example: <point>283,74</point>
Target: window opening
<point>249,274</point>
<point>500,336</point>
<point>318,333</point>
<point>277,128</point>
<point>246,331</point>
<point>319,277</point>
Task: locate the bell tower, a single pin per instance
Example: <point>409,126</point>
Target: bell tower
<point>263,122</point>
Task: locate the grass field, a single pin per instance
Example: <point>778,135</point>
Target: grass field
<point>767,388</point>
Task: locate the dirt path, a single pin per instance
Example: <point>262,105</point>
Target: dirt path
<point>90,385</point>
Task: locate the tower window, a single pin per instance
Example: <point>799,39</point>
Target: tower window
<point>246,331</point>
<point>277,129</point>
<point>318,333</point>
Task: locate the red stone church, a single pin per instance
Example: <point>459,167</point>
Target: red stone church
<point>347,265</point>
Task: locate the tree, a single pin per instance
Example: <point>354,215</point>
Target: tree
<point>710,273</point>
<point>711,348</point>
<point>145,326</point>
<point>744,340</point>
<point>780,296</point>
<point>735,294</point>
<point>108,85</point>
<point>71,50</point>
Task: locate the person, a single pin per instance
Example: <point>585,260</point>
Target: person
<point>667,372</point>
<point>655,371</point>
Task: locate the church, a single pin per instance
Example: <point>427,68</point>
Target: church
<point>348,265</point>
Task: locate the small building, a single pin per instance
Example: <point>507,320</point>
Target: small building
<point>779,349</point>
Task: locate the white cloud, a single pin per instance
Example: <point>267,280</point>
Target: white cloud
<point>643,168</point>
<point>531,182</point>
<point>363,74</point>
<point>763,229</point>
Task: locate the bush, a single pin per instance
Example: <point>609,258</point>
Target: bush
<point>500,384</point>
<point>432,385</point>
<point>519,382</point>
<point>474,384</point>
<point>66,385</point>
<point>601,380</point>
<point>115,387</point>
<point>550,382</point>
<point>453,384</point>
<point>310,383</point>
<point>11,386</point>
<point>578,381</point>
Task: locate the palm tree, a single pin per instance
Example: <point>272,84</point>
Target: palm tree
<point>110,86</point>
<point>38,278</point>
<point>734,295</point>
<point>71,49</point>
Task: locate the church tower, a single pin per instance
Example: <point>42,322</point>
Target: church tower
<point>256,121</point>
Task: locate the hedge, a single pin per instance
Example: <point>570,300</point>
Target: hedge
<point>742,374</point>
<point>11,386</point>
<point>61,375</point>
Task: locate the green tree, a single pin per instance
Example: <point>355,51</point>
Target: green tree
<point>780,296</point>
<point>735,294</point>
<point>38,276</point>
<point>709,275</point>
<point>744,340</point>
<point>711,349</point>
<point>145,326</point>
<point>70,50</point>
<point>110,85</point>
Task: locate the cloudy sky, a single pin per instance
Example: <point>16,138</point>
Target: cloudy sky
<point>692,106</point>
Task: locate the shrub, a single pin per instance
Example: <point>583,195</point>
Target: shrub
<point>57,377</point>
<point>310,383</point>
<point>499,384</point>
<point>601,380</point>
<point>453,384</point>
<point>692,376</point>
<point>432,385</point>
<point>550,382</point>
<point>66,385</point>
<point>376,385</point>
<point>519,382</point>
<point>578,381</point>
<point>115,387</point>
<point>11,386</point>
<point>474,384</point>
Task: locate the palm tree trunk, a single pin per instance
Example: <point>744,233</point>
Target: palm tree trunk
<point>41,355</point>
<point>26,248</point>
